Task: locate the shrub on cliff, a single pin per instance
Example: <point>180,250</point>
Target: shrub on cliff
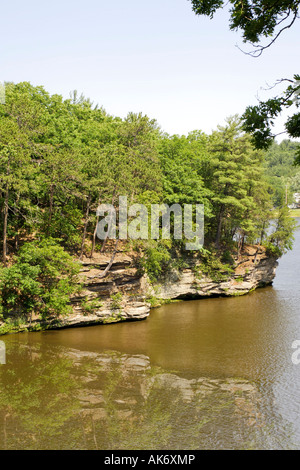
<point>156,258</point>
<point>40,281</point>
<point>281,239</point>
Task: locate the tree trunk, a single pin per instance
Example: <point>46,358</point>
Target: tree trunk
<point>50,209</point>
<point>94,238</point>
<point>219,229</point>
<point>95,232</point>
<point>262,233</point>
<point>106,235</point>
<point>255,257</point>
<point>17,241</point>
<point>5,219</point>
<point>85,225</point>
<point>241,243</point>
<point>106,270</point>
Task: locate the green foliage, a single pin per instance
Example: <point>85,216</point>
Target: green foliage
<point>258,120</point>
<point>154,301</point>
<point>116,308</point>
<point>116,301</point>
<point>89,306</point>
<point>41,280</point>
<point>272,250</point>
<point>157,302</point>
<point>227,258</point>
<point>183,160</point>
<point>281,238</point>
<point>240,200</point>
<point>61,158</point>
<point>156,258</point>
<point>214,268</point>
<point>12,325</point>
<point>179,262</point>
<point>281,172</point>
<point>254,19</point>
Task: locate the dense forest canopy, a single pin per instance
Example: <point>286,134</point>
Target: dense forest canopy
<point>60,158</point>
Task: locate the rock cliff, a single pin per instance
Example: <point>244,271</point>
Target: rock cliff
<point>125,294</point>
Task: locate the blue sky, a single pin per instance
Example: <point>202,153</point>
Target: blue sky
<point>154,57</point>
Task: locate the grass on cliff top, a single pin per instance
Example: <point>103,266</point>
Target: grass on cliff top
<point>292,213</point>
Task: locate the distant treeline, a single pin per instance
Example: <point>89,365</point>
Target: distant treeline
<point>283,175</point>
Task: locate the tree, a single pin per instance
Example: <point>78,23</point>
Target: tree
<point>259,19</point>
<point>60,159</point>
<point>254,18</point>
<point>259,119</point>
<point>281,238</point>
<point>280,170</point>
<point>239,190</point>
<point>41,280</point>
<point>182,159</point>
<point>20,123</point>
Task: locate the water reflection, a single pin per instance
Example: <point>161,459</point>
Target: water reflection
<point>208,374</point>
<point>62,398</point>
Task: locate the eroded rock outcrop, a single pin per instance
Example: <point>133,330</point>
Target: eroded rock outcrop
<point>254,269</point>
<point>124,294</point>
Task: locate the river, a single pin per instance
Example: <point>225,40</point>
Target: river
<point>208,374</point>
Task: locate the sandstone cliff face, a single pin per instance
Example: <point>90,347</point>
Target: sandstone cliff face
<point>253,270</point>
<point>120,296</point>
<point>124,294</point>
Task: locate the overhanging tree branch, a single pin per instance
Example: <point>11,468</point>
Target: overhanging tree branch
<point>257,52</point>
